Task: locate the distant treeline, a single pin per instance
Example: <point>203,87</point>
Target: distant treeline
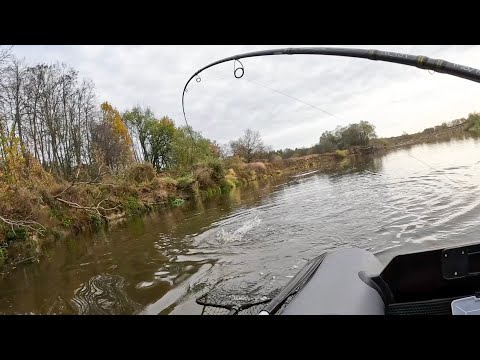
<point>363,133</point>
<point>50,115</point>
<point>343,137</point>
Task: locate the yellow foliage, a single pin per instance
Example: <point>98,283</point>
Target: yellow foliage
<point>13,162</point>
<point>113,117</point>
<point>17,165</point>
<point>166,121</point>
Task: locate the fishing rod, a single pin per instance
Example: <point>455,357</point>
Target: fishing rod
<point>419,61</point>
<point>422,62</point>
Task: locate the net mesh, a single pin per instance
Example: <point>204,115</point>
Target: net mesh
<point>253,310</point>
<point>224,301</point>
<point>221,302</point>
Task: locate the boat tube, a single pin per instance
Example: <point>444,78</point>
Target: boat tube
<point>353,281</point>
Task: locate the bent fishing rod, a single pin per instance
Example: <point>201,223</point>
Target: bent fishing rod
<point>419,61</point>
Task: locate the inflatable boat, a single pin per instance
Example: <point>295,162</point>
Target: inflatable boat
<point>353,281</point>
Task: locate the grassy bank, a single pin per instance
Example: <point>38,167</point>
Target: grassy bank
<point>459,128</point>
<point>37,207</point>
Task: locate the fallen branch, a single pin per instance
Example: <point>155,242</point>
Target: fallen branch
<point>23,260</point>
<point>29,224</point>
<point>75,182</point>
<point>93,210</point>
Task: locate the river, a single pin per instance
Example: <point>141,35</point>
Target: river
<point>254,239</point>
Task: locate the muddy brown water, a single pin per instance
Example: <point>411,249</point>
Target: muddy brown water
<point>254,239</point>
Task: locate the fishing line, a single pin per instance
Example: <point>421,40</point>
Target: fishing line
<point>422,62</point>
<point>294,98</point>
<point>432,168</point>
<point>236,74</point>
<point>239,75</point>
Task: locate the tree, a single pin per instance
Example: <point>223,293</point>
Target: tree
<point>367,131</point>
<point>158,142</point>
<point>14,99</point>
<point>138,121</point>
<point>249,146</point>
<point>188,151</point>
<point>328,142</point>
<point>111,139</point>
<point>225,151</point>
<point>152,138</point>
<point>5,56</point>
<point>50,112</point>
<point>344,137</point>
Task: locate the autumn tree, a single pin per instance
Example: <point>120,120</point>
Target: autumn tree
<point>249,146</point>
<point>111,139</point>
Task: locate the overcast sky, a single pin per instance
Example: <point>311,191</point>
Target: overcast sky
<point>393,97</point>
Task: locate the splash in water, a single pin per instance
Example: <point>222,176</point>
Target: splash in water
<point>224,236</point>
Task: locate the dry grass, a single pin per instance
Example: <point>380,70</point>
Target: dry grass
<point>140,173</point>
<point>258,167</point>
<point>63,206</point>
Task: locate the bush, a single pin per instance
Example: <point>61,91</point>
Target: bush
<point>276,159</point>
<point>227,184</point>
<point>235,163</point>
<point>209,174</point>
<point>474,123</point>
<point>258,167</point>
<point>18,202</point>
<point>165,182</point>
<point>381,142</point>
<point>140,172</point>
<point>132,206</point>
<point>185,182</point>
<point>18,234</point>
<point>290,162</point>
<point>203,174</point>
<point>341,153</point>
<point>218,170</point>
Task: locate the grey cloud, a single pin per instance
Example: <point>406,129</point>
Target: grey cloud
<point>395,98</point>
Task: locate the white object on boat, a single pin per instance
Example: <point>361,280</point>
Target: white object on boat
<point>466,306</point>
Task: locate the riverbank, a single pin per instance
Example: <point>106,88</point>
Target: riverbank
<point>39,208</point>
<point>456,129</point>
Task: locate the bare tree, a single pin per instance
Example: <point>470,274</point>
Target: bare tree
<point>12,99</point>
<point>225,151</point>
<point>249,146</point>
<point>5,55</point>
<point>49,112</point>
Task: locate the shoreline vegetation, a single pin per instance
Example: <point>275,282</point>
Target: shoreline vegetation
<point>69,165</point>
